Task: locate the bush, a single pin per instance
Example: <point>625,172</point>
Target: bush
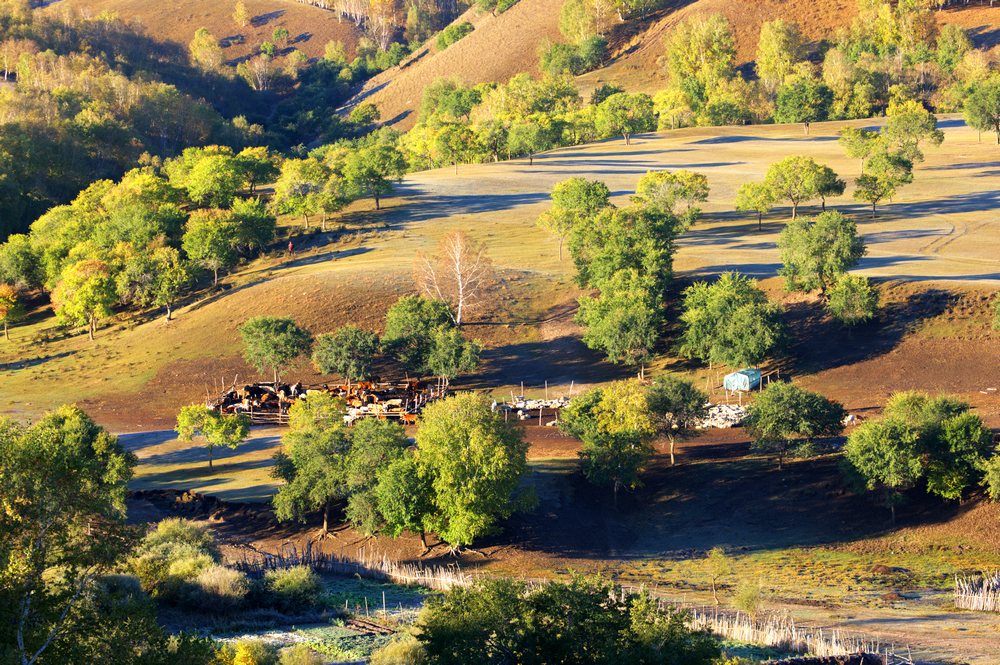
<point>592,51</point>
<point>404,651</point>
<point>996,314</point>
<point>452,34</point>
<point>748,597</point>
<point>217,589</point>
<point>179,531</point>
<point>293,588</point>
<point>247,652</point>
<point>300,654</point>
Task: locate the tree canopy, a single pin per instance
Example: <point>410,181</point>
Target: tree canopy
<point>272,342</point>
<point>784,419</point>
<point>817,251</point>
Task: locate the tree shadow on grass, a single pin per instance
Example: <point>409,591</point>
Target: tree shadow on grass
<point>819,343</point>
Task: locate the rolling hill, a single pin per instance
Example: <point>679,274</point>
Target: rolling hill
<point>309,27</point>
<point>932,241</point>
<point>502,46</point>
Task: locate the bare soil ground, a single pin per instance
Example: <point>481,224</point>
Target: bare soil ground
<point>309,27</point>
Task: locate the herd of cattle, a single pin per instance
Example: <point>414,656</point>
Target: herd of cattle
<point>267,403</point>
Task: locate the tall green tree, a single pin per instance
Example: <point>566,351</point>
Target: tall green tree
<point>375,445</point>
<point>85,295</point>
<point>409,328</point>
<point>474,462</point>
<point>817,251</point>
<point>625,114</point>
<point>755,197</point>
<point>803,99</point>
<point>795,179</point>
<point>371,170</point>
<point>909,126</point>
<point>779,49</point>
<point>405,499</point>
<point>730,321</point>
<point>859,143</point>
<point>172,278</point>
<point>625,319</point>
<point>313,459</point>
<point>271,343</point>
<point>209,239</point>
<point>573,200</point>
<point>216,429</point>
<point>663,190</point>
<point>982,106</point>
<point>886,454</point>
<point>616,427</point>
<point>349,352</point>
<point>64,485</point>
<point>452,354</point>
<point>528,139</point>
<point>298,186</point>
<point>785,418</point>
<point>887,171</point>
<point>852,300</point>
<point>676,407</point>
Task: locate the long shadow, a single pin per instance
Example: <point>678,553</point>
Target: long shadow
<point>964,165</point>
<point>136,441</point>
<point>819,343</point>
<point>956,203</point>
<point>33,362</point>
<point>741,138</point>
<point>264,19</point>
<point>197,452</point>
<point>558,360</point>
<point>624,165</point>
<point>984,36</point>
<point>443,205</point>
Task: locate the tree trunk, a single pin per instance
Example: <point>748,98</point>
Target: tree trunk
<point>6,335</point>
<point>423,539</point>
<point>873,211</point>
<point>823,199</point>
<point>170,311</point>
<point>560,247</point>
<point>305,221</point>
<point>92,327</point>
<point>275,378</point>
<point>760,221</point>
<point>210,449</point>
<point>628,139</point>
<point>672,461</point>
<point>795,209</point>
<point>326,518</point>
<point>531,159</point>
<point>456,167</point>
<point>715,595</point>
<point>215,276</point>
<point>376,202</point>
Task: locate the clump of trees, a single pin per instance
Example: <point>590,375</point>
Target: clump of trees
<point>937,443</point>
<point>214,428</point>
<point>459,481</point>
<point>587,619</point>
<point>63,537</point>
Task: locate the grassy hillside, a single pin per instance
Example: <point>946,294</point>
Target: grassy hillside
<point>309,27</point>
<point>933,241</point>
<point>503,46</point>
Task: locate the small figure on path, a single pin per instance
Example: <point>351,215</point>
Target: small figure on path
<point>291,249</point>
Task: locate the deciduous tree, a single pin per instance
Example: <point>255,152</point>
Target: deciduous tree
<point>11,308</point>
<point>216,429</point>
<point>85,295</point>
<point>982,106</point>
<point>474,461</point>
<point>209,238</point>
<point>785,418</point>
<point>887,171</point>
<point>349,352</point>
<point>625,114</point>
<point>816,251</point>
<point>460,274</point>
<point>409,328</point>
<point>852,300</point>
<point>795,179</point>
<point>271,343</point>
<point>755,197</point>
<point>573,200</point>
<point>371,170</point>
<point>676,407</point>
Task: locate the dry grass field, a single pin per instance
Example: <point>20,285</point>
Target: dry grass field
<point>309,28</point>
<point>936,238</point>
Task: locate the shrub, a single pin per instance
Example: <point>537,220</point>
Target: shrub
<point>176,530</point>
<point>292,588</point>
<point>996,314</point>
<point>452,34</point>
<point>247,652</point>
<point>217,589</point>
<point>748,597</point>
<point>404,651</point>
<point>300,654</point>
